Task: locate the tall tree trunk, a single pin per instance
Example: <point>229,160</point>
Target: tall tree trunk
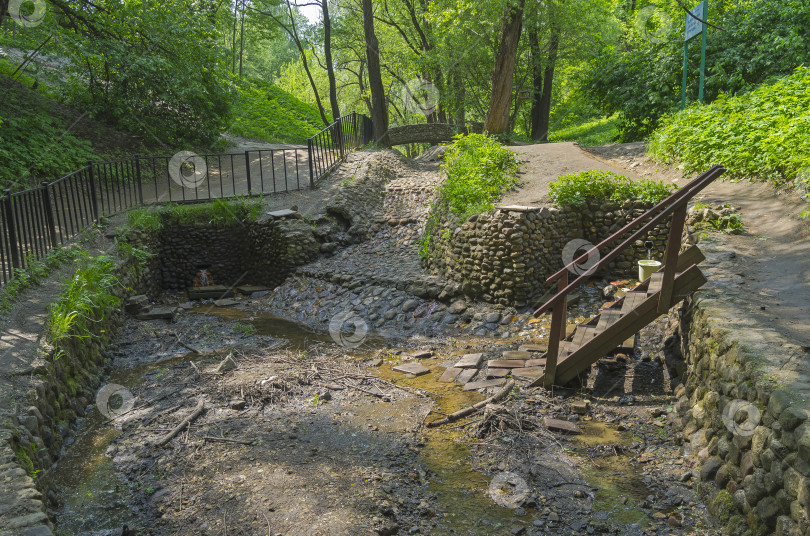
<point>233,39</point>
<point>459,96</point>
<point>330,68</point>
<point>379,114</point>
<point>548,85</point>
<point>241,39</point>
<point>537,84</point>
<point>497,120</point>
<point>3,11</point>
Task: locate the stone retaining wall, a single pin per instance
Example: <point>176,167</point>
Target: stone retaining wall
<point>52,395</point>
<point>744,418</point>
<point>505,256</point>
<point>261,253</point>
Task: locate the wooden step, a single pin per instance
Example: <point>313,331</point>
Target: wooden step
<point>631,300</point>
<point>608,317</point>
<point>656,281</point>
<point>621,328</point>
<point>583,334</point>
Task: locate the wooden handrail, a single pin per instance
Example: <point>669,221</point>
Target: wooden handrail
<point>665,207</point>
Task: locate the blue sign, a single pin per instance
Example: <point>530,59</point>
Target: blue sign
<point>694,26</point>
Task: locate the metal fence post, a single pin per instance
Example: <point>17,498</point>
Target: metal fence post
<point>138,179</point>
<point>46,204</point>
<point>311,173</point>
<point>247,170</point>
<point>12,230</point>
<point>93,200</point>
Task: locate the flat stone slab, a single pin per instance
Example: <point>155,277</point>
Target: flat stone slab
<point>470,361</point>
<point>536,362</point>
<point>227,302</point>
<point>158,313</point>
<point>472,386</point>
<point>533,348</point>
<point>421,354</point>
<point>283,213</point>
<point>250,289</point>
<point>497,372</point>
<point>466,375</point>
<point>518,208</point>
<point>215,292</point>
<point>450,374</point>
<point>516,354</point>
<point>556,425</point>
<point>506,363</point>
<point>528,372</point>
<point>417,369</point>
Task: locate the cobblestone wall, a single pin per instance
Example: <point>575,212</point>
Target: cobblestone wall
<point>505,256</point>
<point>744,419</point>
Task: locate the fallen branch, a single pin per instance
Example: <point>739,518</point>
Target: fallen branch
<point>184,345</point>
<point>185,422</point>
<point>472,409</point>
<point>227,440</point>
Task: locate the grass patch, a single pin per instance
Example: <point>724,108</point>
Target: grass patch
<point>478,170</point>
<point>600,131</point>
<point>85,300</point>
<point>218,213</point>
<point>761,134</point>
<point>266,112</point>
<point>577,189</point>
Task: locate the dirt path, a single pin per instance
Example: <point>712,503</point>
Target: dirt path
<point>766,268</point>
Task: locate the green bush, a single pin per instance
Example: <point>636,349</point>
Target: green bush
<point>599,185</point>
<point>477,171</point>
<point>266,112</point>
<point>85,300</point>
<point>762,134</point>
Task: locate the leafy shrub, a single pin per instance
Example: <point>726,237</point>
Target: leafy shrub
<point>599,185</point>
<point>85,300</point>
<point>34,142</point>
<point>762,134</point>
<point>266,112</point>
<point>477,170</point>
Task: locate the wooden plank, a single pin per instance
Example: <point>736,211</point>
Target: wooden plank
<point>656,280</point>
<point>470,361</point>
<point>558,318</point>
<point>671,258</point>
<point>472,386</point>
<point>506,363</point>
<point>632,299</point>
<point>608,317</point>
<point>568,368</point>
<point>450,374</point>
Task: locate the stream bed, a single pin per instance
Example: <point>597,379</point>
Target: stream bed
<point>305,437</point>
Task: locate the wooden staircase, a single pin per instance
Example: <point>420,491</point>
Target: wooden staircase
<point>679,276</point>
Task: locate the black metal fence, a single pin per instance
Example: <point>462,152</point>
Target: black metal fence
<point>34,221</point>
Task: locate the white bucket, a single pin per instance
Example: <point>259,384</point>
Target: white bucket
<point>646,268</point>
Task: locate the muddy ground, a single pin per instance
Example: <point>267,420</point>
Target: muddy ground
<point>306,437</point>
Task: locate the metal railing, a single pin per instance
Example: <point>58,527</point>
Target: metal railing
<point>34,221</point>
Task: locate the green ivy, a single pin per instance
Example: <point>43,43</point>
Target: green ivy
<point>576,189</point>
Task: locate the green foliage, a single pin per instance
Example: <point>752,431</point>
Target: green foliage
<point>477,170</point>
<point>762,134</point>
<point>85,300</point>
<point>25,459</point>
<point>641,79</point>
<point>144,219</point>
<point>576,189</point>
<point>34,274</point>
<point>218,213</point>
<point>268,113</point>
<point>731,224</point>
<point>34,142</point>
<point>596,132</point>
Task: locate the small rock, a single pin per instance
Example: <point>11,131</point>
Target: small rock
<point>581,407</point>
<point>237,404</point>
<point>226,365</point>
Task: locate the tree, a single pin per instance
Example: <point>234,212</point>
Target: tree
<point>379,111</point>
<point>497,120</point>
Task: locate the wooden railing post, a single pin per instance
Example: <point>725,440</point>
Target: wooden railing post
<point>557,333</point>
<point>671,257</point>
